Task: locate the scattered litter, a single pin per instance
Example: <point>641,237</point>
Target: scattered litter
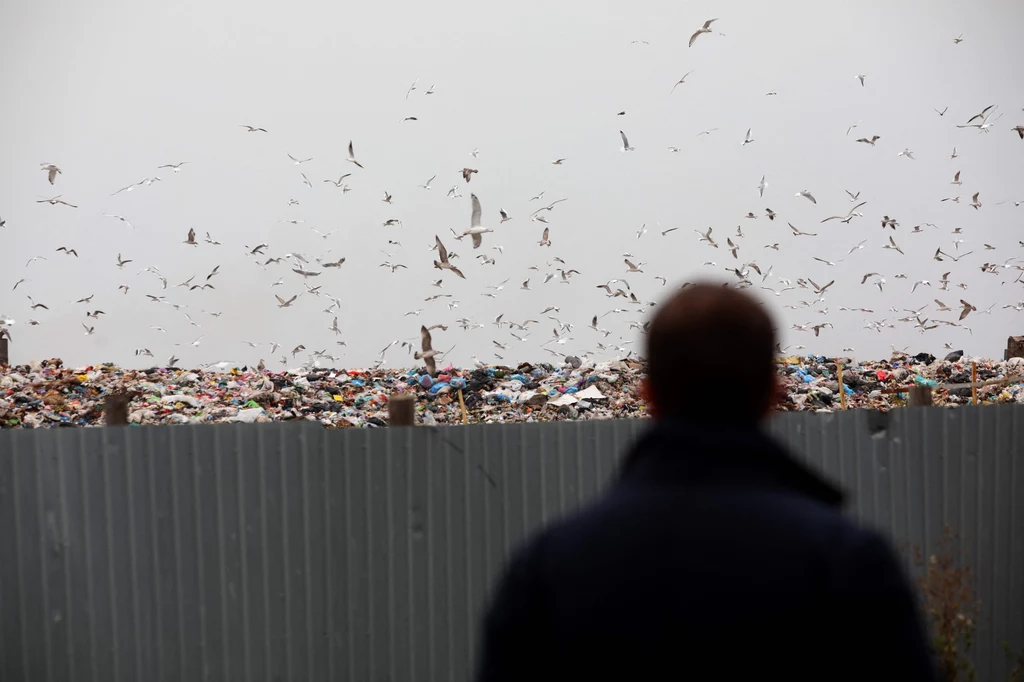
<point>45,394</point>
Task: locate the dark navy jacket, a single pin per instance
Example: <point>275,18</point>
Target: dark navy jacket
<point>715,556</point>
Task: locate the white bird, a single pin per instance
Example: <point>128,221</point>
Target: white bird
<point>806,194</point>
<point>352,155</point>
<point>861,77</point>
<point>907,153</point>
<point>426,185</point>
<point>706,28</point>
<point>299,162</point>
<point>679,82</point>
<point>281,303</point>
<point>706,237</point>
<point>761,187</point>
<point>625,143</point>
<point>51,171</point>
<point>121,218</point>
<point>475,231</point>
<point>544,241</point>
<point>175,167</point>
<point>747,139</point>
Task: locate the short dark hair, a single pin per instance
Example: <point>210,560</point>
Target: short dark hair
<point>710,355</point>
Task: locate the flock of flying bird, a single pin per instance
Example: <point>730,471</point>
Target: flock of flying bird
<point>742,270</point>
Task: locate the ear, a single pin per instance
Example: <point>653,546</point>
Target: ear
<point>648,396</point>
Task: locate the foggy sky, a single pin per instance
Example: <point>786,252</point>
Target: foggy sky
<point>109,92</point>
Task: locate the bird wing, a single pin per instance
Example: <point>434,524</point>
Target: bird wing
<point>625,142</point>
<point>351,152</point>
<point>474,219</point>
<point>477,240</point>
<point>457,271</point>
<point>707,24</point>
<point>425,339</point>
<point>442,253</point>
<point>629,264</point>
<point>694,37</point>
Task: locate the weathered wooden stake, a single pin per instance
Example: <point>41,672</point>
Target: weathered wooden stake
<point>920,396</point>
<point>115,409</point>
<point>842,389</point>
<point>4,357</point>
<point>974,383</point>
<point>402,409</point>
<point>462,404</point>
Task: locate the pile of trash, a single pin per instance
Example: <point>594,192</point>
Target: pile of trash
<point>812,382</point>
<point>47,394</point>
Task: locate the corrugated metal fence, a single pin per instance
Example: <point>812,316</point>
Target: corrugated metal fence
<point>287,552</point>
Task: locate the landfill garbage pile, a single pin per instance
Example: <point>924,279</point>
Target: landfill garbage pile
<point>47,394</point>
<point>812,382</point>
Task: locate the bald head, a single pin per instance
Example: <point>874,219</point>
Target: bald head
<point>710,354</point>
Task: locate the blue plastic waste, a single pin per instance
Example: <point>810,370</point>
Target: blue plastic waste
<point>438,386</point>
<point>458,382</point>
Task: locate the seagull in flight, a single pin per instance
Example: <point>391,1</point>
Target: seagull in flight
<point>352,155</point>
<point>625,143</point>
<point>475,231</point>
<point>681,81</point>
<point>175,167</point>
<point>442,262</point>
<point>849,215</point>
<point>51,171</point>
<point>706,28</point>
<point>806,194</point>
<point>251,129</point>
<point>53,201</point>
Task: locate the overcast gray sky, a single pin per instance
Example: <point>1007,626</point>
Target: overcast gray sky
<point>110,91</point>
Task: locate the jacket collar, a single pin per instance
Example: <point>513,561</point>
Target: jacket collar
<point>690,452</point>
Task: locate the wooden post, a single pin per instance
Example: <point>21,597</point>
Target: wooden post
<point>401,409</point>
<point>974,383</point>
<point>4,357</point>
<point>842,389</point>
<point>920,396</point>
<point>115,409</point>
<point>462,404</point>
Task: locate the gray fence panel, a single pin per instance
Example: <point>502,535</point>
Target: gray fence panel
<point>287,552</point>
